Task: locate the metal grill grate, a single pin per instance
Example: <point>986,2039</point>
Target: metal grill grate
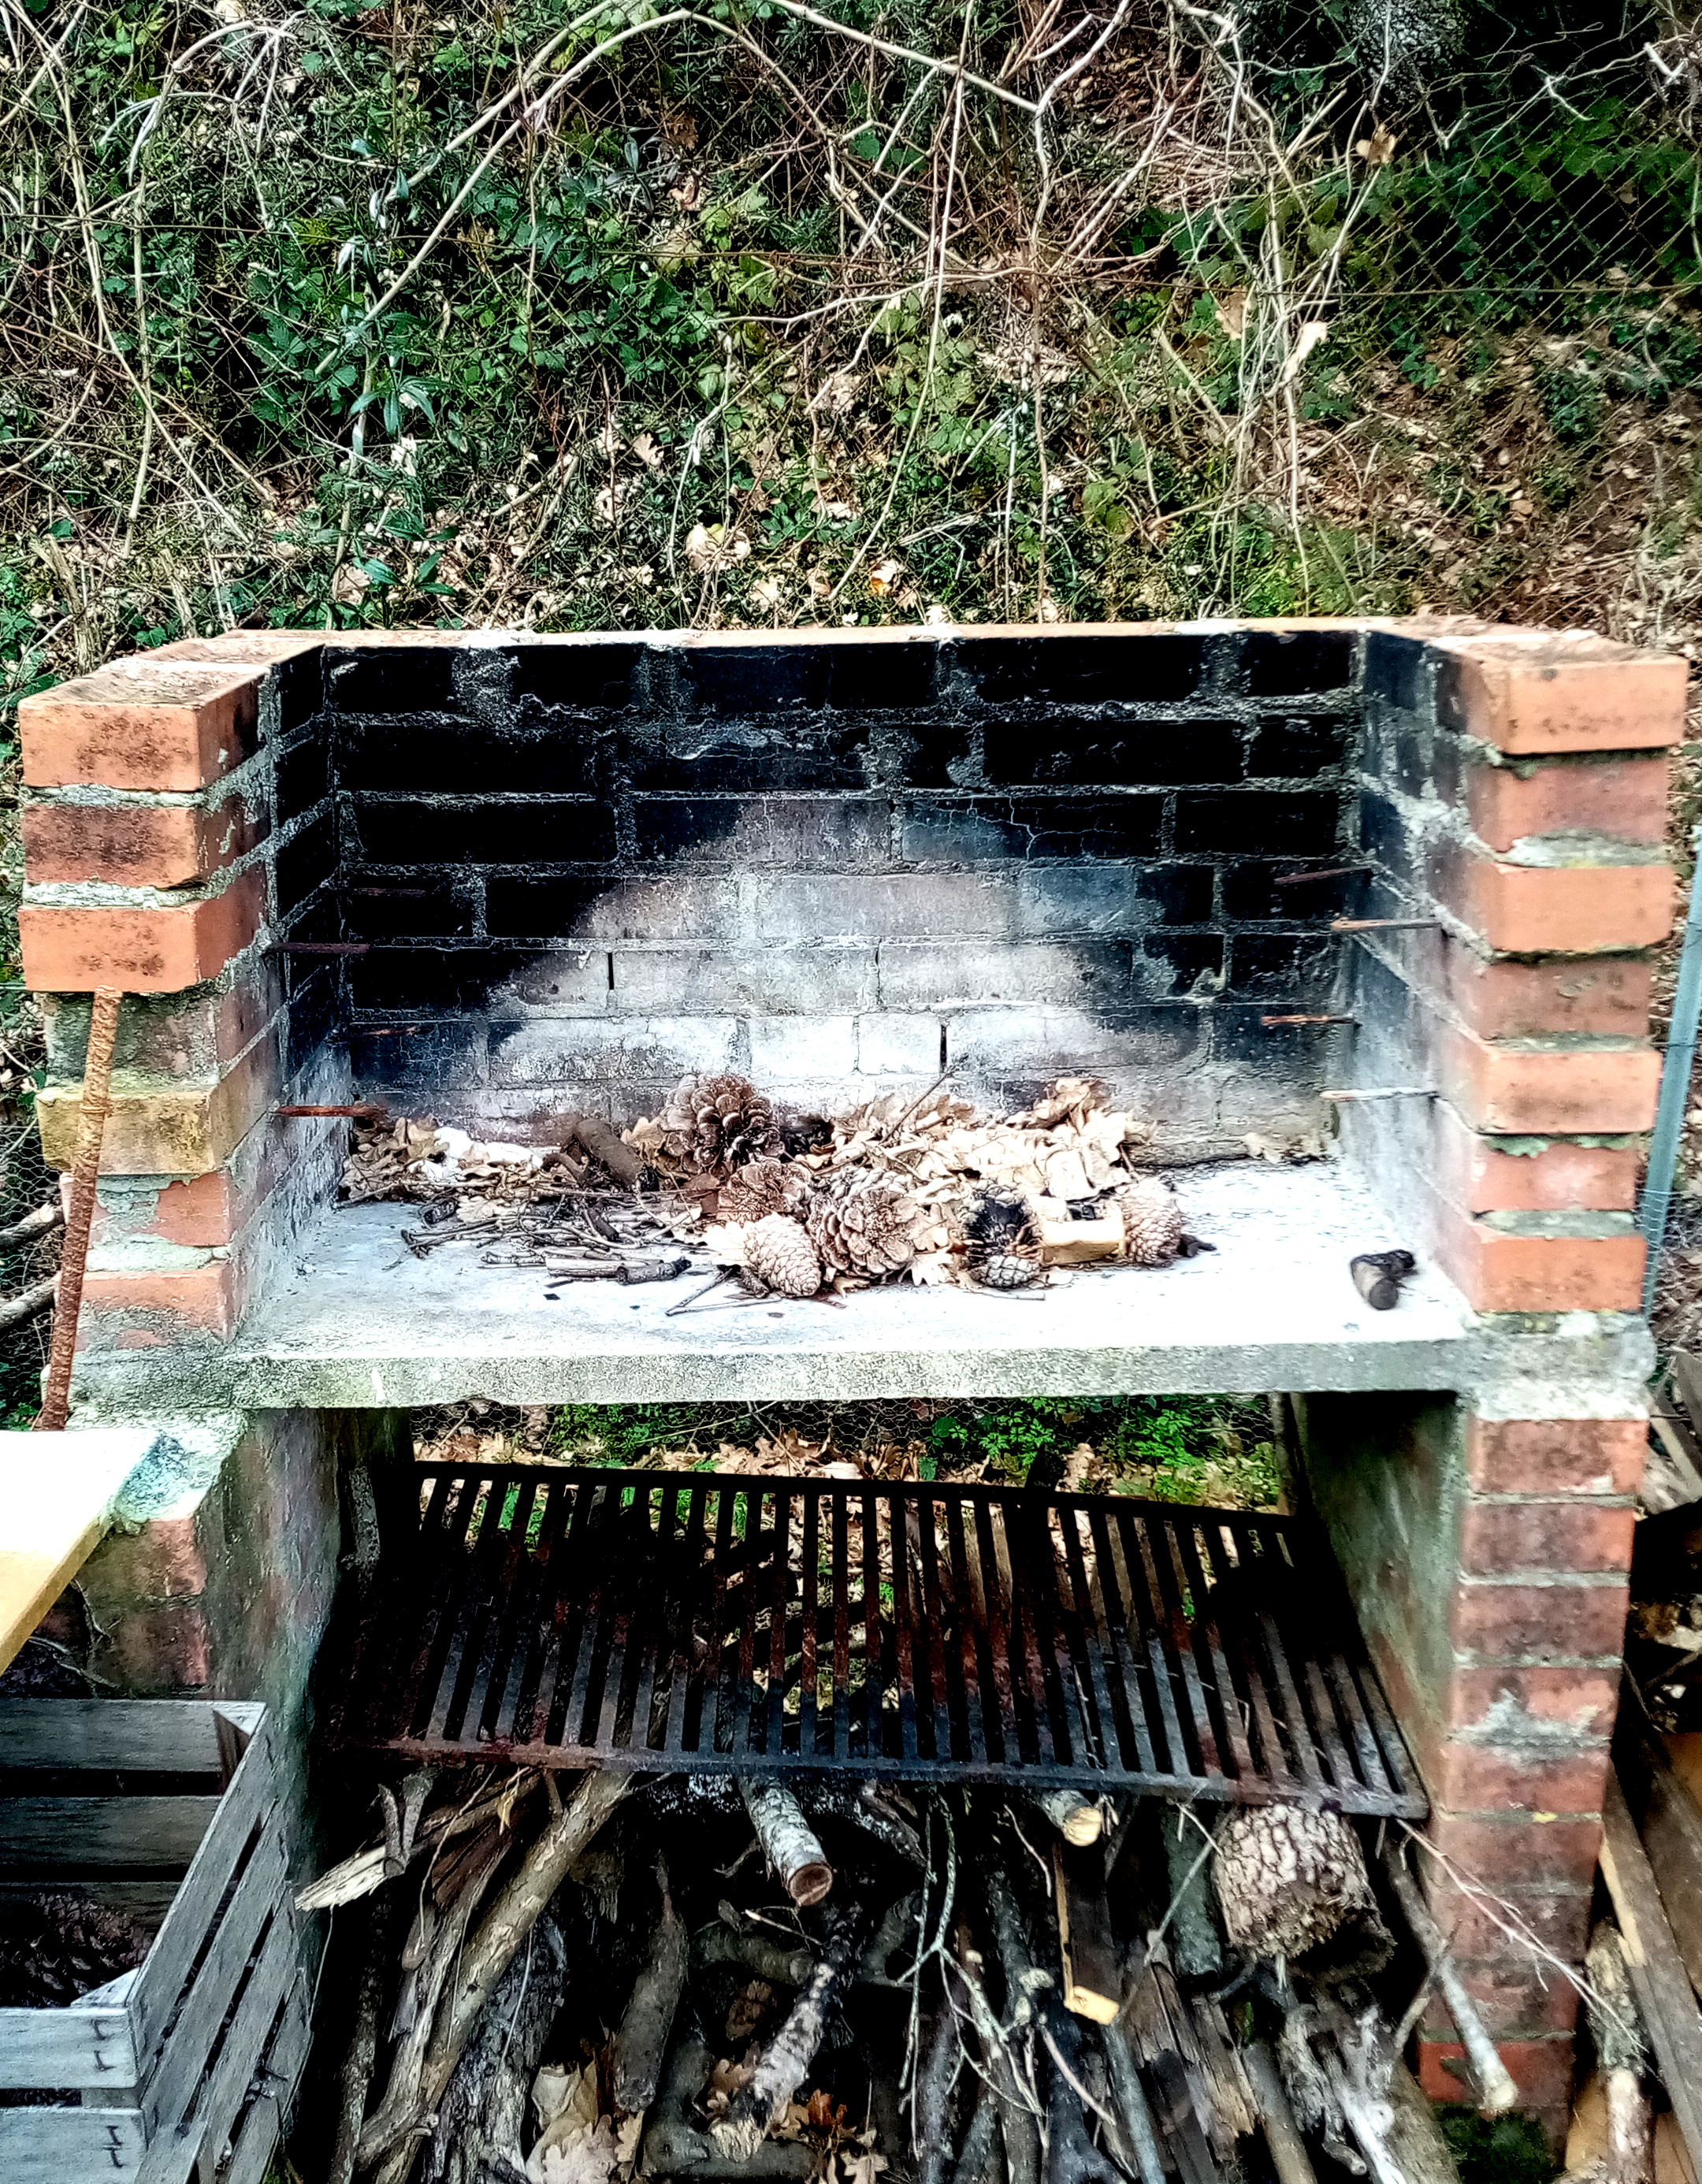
<point>715,1621</point>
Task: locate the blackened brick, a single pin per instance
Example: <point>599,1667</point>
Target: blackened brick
<point>1065,749</point>
<point>812,750</point>
<point>674,908</point>
<point>1168,963</point>
<point>1084,669</point>
<point>305,862</point>
<point>805,832</point>
<point>1291,1053</point>
<point>1250,892</point>
<point>1281,966</point>
<point>373,910</point>
<point>943,752</point>
<point>451,753</point>
<point>1292,663</point>
<point>428,981</point>
<point>401,831</point>
<point>1180,894</point>
<point>391,679</point>
<point>1298,748</point>
<point>297,687</point>
<point>1302,824</point>
<point>753,679</point>
<point>303,777</point>
<point>975,829</point>
<point>1394,668</point>
<point>577,678</point>
<point>885,677</point>
<point>311,1019</point>
<point>410,1057</point>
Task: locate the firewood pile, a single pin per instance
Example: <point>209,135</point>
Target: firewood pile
<point>925,1190</point>
<point>589,1979</point>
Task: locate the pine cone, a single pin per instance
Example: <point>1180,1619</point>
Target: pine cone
<point>779,1252</point>
<point>762,1188</point>
<point>1151,1222</point>
<point>1003,1240</point>
<point>862,1223</point>
<point>712,1125</point>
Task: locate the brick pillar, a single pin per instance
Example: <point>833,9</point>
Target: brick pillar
<point>177,823</point>
<point>1513,790</point>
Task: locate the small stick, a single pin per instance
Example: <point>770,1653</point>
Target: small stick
<point>56,1402</point>
<point>1383,1092</point>
<point>1270,1023</point>
<point>362,1110</point>
<point>1494,2079</point>
<point>926,1096</point>
<point>685,1303</point>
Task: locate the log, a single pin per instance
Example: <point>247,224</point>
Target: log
<point>1497,2090</point>
<point>1654,1967</point>
<point>1196,1945</point>
<point>1092,1981</point>
<point>782,2066</point>
<point>487,1957</point>
<point>29,1303</point>
<point>1287,2148</point>
<point>358,2064</point>
<point>754,1952</point>
<point>789,1842</point>
<point>1079,1820</point>
<point>476,2139</point>
<point>930,2136</point>
<point>982,2160</point>
<point>1292,1883</point>
<point>359,1874</point>
<point>1018,2123</point>
<point>672,2146</point>
<point>38,1224</point>
<point>898,1926</point>
<point>873,1810</point>
<point>640,2042</point>
<point>1130,2096</point>
<point>1072,2156</point>
<point>1414,2143</point>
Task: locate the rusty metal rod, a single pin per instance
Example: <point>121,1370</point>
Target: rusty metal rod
<point>1269,1021</point>
<point>1385,1092</point>
<point>1384,924</point>
<point>323,948</point>
<point>1329,872</point>
<point>360,1111</point>
<point>56,1401</point>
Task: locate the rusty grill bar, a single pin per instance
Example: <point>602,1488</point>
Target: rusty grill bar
<point>716,1621</point>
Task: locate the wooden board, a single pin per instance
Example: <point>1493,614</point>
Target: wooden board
<point>1658,1977</point>
<point>43,2050</point>
<point>57,1492</point>
<point>75,1833</point>
<point>1092,1981</point>
<point>222,2096</point>
<point>285,2058</point>
<point>144,1736</point>
<point>1671,1827</point>
<point>67,2146</point>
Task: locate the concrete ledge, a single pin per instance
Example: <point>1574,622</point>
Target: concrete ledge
<point>364,1324</point>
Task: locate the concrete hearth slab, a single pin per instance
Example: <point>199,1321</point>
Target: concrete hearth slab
<point>361,1321</point>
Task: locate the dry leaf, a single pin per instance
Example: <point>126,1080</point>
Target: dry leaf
<point>883,577</point>
<point>751,2005</point>
<point>646,448</point>
<point>1232,313</point>
<point>1378,149</point>
<point>1306,339</point>
<point>712,546</point>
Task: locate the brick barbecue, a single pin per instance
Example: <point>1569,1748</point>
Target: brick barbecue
<point>491,875</point>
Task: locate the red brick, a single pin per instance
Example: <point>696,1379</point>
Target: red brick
<point>1601,996</point>
<point>1555,1456</point>
<point>140,725</point>
<point>1574,1536</point>
<point>1542,692</point>
<point>1477,1927</point>
<point>261,647</point>
<point>1514,1851</point>
<point>1539,1622</point>
<point>1479,1778</point>
<point>1518,1091</point>
<point>142,951</point>
<point>1541,2069</point>
<point>161,845</point>
<point>1563,1177</point>
<point>157,1651</point>
<point>205,1299</point>
<point>1500,1272</point>
<point>1624,799</point>
<point>1557,910</point>
<point>163,1561</point>
<point>1581,1699</point>
<point>1513,1998</point>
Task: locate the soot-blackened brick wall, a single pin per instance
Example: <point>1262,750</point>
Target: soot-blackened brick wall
<point>580,870</point>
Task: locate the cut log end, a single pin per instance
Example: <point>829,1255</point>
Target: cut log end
<point>810,1883</point>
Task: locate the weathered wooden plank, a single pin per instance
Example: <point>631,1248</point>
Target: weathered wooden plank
<point>234,1726</point>
<point>222,2099</point>
<point>57,1492</point>
<point>1685,1374</point>
<point>178,1942</point>
<point>1658,1977</point>
<point>1092,1980</point>
<point>1671,1828</point>
<point>262,2127</point>
<point>169,2090</point>
<point>66,2146</point>
<point>83,1831</point>
<point>151,1736</point>
<point>43,2050</point>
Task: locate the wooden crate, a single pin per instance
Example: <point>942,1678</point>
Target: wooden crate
<point>182,2068</point>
